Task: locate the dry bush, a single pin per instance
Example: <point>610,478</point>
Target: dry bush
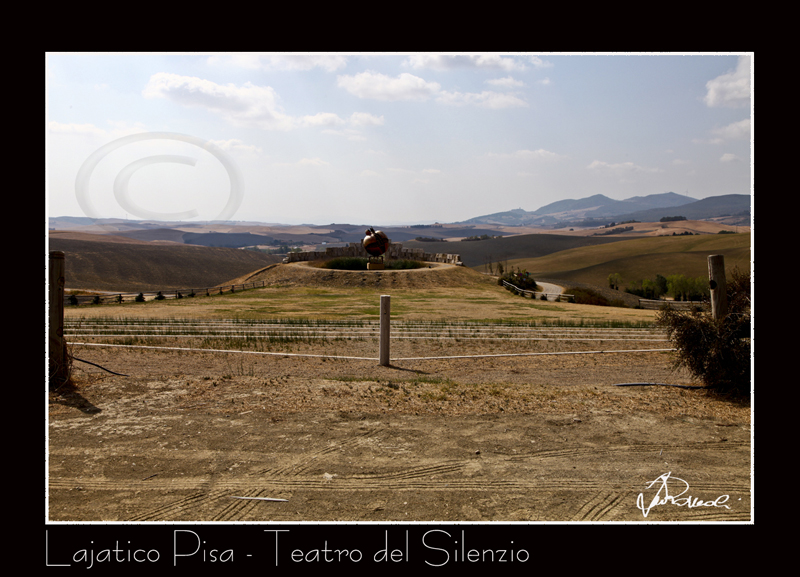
<point>715,351</point>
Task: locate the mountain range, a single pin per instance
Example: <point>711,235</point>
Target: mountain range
<point>592,211</point>
<point>602,208</point>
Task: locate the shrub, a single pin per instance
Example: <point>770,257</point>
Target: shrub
<point>404,264</point>
<point>347,263</point>
<point>360,263</point>
<point>140,298</point>
<point>521,279</point>
<point>584,296</point>
<point>715,351</point>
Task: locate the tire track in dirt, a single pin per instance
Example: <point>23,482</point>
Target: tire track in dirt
<point>643,448</point>
<point>415,472</point>
<point>174,509</point>
<point>602,507</point>
<point>599,502</point>
<point>308,460</point>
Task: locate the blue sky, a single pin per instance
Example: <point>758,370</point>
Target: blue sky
<point>388,138</point>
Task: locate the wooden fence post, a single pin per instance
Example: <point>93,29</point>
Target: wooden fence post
<point>385,330</point>
<point>58,362</point>
<point>716,281</point>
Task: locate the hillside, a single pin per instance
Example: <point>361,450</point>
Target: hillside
<point>644,208</point>
<point>640,258</point>
<point>707,208</point>
<point>478,253</point>
<point>95,262</point>
<point>306,275</point>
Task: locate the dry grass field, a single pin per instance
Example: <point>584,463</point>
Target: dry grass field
<point>641,258</point>
<point>493,408</point>
<point>117,263</point>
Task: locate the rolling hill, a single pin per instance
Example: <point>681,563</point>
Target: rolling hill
<point>477,253</point>
<point>640,258</point>
<point>113,263</point>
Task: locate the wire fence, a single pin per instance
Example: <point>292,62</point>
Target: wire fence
<point>316,338</point>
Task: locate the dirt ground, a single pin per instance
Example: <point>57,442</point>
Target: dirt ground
<point>202,436</point>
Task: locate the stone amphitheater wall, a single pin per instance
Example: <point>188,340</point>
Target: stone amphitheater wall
<point>355,249</point>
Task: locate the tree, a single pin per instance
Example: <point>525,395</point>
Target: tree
<point>677,286</point>
<point>614,280</point>
<point>661,285</point>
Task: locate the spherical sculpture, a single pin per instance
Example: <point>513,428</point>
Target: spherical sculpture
<point>375,243</point>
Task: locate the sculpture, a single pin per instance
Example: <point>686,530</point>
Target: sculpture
<point>376,243</point>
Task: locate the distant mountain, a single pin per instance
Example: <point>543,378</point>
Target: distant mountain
<point>644,208</point>
<point>597,202</point>
<point>711,207</point>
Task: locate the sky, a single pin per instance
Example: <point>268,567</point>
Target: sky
<point>387,139</point>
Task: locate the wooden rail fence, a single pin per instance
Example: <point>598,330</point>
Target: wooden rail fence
<point>658,304</point>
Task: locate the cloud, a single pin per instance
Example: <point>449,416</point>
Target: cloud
<point>506,82</point>
<point>327,62</point>
<point>348,133</point>
<point>534,155</point>
<point>365,119</point>
<point>313,161</point>
<point>734,131</point>
<point>537,62</point>
<point>485,99</point>
<point>326,119</point>
<point>306,162</point>
<point>236,145</point>
<point>731,89</point>
<point>357,119</point>
<point>620,167</point>
<point>481,61</point>
<point>241,105</point>
<point>729,157</point>
<point>377,86</point>
<point>246,105</point>
<point>405,86</point>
